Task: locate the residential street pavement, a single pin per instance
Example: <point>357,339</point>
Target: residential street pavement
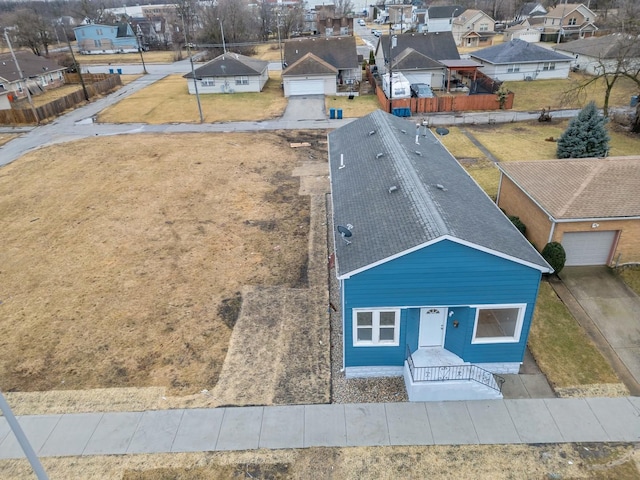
<point>335,425</point>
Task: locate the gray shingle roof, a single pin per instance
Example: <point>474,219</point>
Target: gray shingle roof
<point>229,65</point>
<point>435,45</point>
<point>434,196</point>
<point>339,52</point>
<point>32,65</point>
<point>518,51</point>
<point>445,11</point>
<point>409,59</point>
<point>609,46</point>
<point>310,65</point>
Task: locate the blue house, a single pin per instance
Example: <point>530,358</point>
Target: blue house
<point>436,283</point>
<point>98,39</point>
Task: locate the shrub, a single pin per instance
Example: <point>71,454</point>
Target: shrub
<point>518,223</point>
<point>554,254</point>
<point>586,136</point>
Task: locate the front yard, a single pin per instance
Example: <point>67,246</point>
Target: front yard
<point>169,101</point>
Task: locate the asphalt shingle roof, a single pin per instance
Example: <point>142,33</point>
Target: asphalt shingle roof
<point>339,52</point>
<point>518,51</point>
<point>581,188</point>
<point>229,65</point>
<point>397,199</point>
<point>435,45</point>
<point>445,11</point>
<point>409,59</point>
<point>32,66</point>
<point>609,46</point>
<point>310,65</point>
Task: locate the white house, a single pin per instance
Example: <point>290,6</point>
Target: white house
<point>594,55</point>
<point>519,60</point>
<point>229,73</point>
<point>522,31</point>
<point>438,18</point>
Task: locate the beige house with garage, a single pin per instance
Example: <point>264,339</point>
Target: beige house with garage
<point>589,205</point>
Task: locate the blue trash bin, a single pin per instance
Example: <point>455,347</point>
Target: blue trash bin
<point>111,70</point>
<point>634,101</point>
<point>339,114</point>
<point>119,71</point>
<point>332,113</point>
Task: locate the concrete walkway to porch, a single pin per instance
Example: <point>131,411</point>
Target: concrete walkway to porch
<point>331,425</point>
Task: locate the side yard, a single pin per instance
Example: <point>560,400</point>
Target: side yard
<point>124,265</point>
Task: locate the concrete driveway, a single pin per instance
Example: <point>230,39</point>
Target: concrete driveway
<point>305,107</point>
<point>612,306</point>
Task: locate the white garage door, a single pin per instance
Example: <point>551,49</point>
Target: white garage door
<point>588,248</point>
<point>418,77</point>
<point>306,87</point>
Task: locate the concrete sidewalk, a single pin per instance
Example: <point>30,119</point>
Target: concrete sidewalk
<point>299,426</point>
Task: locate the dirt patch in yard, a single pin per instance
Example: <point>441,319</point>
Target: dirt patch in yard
<point>123,256</point>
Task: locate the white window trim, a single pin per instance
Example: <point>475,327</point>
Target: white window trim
<point>208,82</point>
<point>242,80</point>
<point>518,330</point>
<point>376,327</point>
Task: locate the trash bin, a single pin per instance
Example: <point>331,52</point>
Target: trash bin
<point>119,71</point>
<point>634,101</point>
<point>111,70</point>
<point>339,114</point>
<point>332,113</point>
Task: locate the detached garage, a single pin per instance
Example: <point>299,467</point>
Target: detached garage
<point>591,206</point>
<point>309,76</point>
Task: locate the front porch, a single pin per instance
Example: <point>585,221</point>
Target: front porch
<point>436,374</point>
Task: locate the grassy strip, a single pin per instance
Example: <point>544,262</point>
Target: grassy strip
<point>561,347</point>
<point>631,276</point>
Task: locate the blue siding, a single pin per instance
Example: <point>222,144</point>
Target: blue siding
<point>443,274</point>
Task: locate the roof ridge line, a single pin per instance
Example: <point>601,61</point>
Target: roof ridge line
<point>598,168</point>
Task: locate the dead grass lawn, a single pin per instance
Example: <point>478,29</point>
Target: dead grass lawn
<point>631,276</point>
<point>484,462</point>
<point>268,52</point>
<point>128,58</point>
<point>168,101</point>
<point>7,137</point>
<point>544,93</point>
<point>54,94</point>
<point>119,251</point>
<point>358,107</point>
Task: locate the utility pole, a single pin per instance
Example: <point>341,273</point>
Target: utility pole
<point>138,37</point>
<point>224,46</point>
<point>392,40</point>
<point>75,65</point>
<point>279,41</point>
<point>193,71</point>
<point>22,439</point>
<point>26,87</point>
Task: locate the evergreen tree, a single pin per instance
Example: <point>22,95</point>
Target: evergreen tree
<point>586,135</point>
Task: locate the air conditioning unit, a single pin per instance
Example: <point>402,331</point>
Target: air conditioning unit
<point>528,78</point>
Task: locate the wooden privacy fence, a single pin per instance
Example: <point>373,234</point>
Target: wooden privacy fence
<point>96,84</point>
<point>443,102</point>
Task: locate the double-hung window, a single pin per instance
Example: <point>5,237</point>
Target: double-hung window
<point>242,80</point>
<point>376,327</point>
<point>208,82</point>
<point>514,68</point>
<point>498,323</point>
<point>548,66</point>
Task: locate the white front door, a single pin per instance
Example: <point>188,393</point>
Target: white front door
<point>432,321</point>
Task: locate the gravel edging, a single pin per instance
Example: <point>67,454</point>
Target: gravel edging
<point>352,390</point>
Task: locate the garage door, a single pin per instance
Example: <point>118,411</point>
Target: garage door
<point>418,77</point>
<point>588,248</point>
<point>306,87</point>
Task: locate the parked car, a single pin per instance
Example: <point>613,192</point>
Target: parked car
<point>377,33</point>
<point>361,22</point>
<point>421,90</point>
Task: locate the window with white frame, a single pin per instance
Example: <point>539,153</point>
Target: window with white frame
<point>515,68</point>
<point>208,82</point>
<point>484,27</point>
<point>242,80</point>
<point>572,21</point>
<point>548,66</point>
<point>498,324</point>
<point>376,327</point>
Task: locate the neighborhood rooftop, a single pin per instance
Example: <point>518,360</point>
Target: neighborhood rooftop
<point>610,46</point>
<point>398,196</point>
<point>229,64</point>
<point>337,51</point>
<point>518,51</point>
<point>581,188</point>
<point>30,64</point>
<point>435,45</point>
